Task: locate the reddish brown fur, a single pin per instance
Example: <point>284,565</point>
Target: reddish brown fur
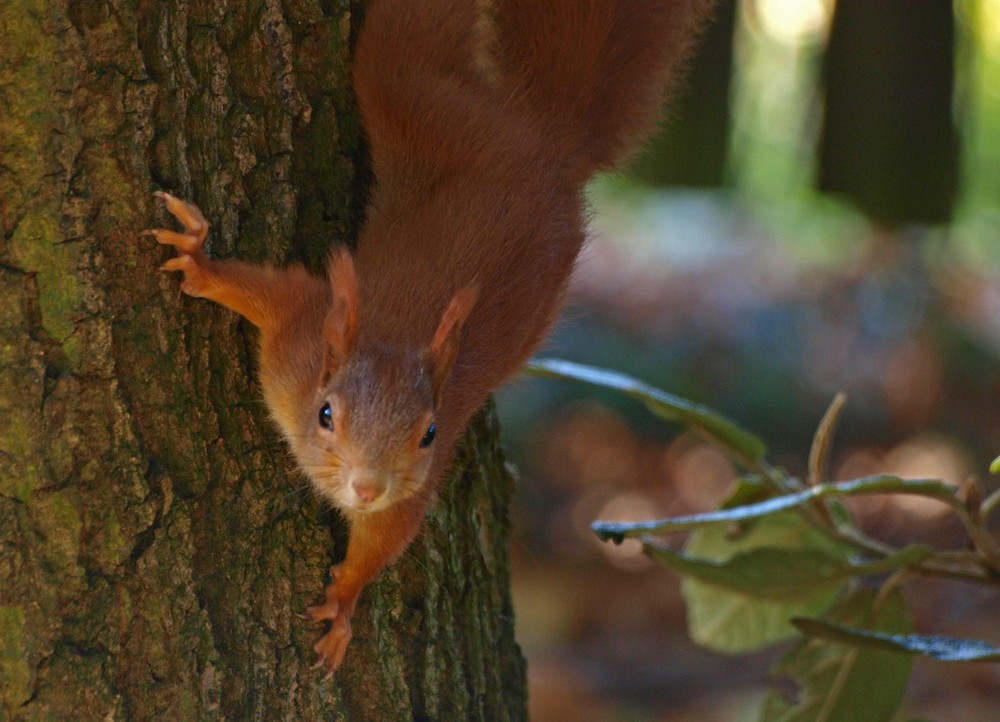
<point>482,132</point>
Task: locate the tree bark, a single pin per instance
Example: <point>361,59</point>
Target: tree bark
<point>156,543</point>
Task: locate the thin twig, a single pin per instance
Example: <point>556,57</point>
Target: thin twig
<point>822,445</point>
<point>990,505</point>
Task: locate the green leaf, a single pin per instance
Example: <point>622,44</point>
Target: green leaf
<point>870,485</point>
<point>995,466</point>
<point>906,557</point>
<point>765,573</point>
<point>838,683</point>
<point>841,514</point>
<point>946,649</point>
<point>739,620</point>
<point>748,490</point>
<point>781,573</point>
<point>664,405</point>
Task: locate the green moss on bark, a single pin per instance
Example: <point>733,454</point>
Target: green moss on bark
<point>36,248</point>
<point>14,669</point>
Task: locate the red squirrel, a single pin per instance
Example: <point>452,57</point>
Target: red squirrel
<point>485,119</point>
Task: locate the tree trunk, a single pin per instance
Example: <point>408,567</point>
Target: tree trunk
<point>156,543</point>
<point>692,147</point>
<point>889,143</point>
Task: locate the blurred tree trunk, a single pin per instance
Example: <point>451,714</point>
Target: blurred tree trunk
<point>693,146</point>
<point>156,544</point>
<point>889,142</point>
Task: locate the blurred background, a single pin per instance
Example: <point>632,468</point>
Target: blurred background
<point>821,213</point>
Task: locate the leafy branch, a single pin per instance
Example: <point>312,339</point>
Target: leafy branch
<point>783,558</point>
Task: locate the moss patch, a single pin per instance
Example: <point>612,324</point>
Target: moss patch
<point>15,672</point>
<point>21,466</point>
<point>56,517</point>
<point>36,248</point>
<point>21,471</point>
<point>29,134</point>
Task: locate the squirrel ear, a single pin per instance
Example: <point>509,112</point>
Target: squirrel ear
<point>341,325</point>
<point>444,348</point>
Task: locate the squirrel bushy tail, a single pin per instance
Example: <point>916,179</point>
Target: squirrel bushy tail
<point>597,71</point>
<point>593,73</point>
<point>418,85</point>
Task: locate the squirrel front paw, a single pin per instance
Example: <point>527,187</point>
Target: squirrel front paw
<point>332,646</point>
<point>337,610</point>
<point>190,258</point>
<point>197,280</point>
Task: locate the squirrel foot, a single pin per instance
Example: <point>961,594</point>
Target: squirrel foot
<point>197,281</point>
<point>190,257</point>
<point>332,646</point>
<point>195,225</point>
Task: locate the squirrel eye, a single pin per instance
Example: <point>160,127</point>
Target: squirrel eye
<point>428,437</point>
<point>326,416</point>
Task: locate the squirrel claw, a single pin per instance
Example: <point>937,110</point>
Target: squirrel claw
<point>188,214</point>
<point>322,664</point>
<point>322,613</point>
<point>179,263</point>
<point>197,280</point>
<point>183,242</point>
<point>332,646</point>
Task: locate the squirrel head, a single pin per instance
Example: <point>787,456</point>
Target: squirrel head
<point>374,413</point>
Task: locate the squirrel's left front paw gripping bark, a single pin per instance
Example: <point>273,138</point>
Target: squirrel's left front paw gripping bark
<point>252,291</point>
<point>332,646</point>
<point>190,258</point>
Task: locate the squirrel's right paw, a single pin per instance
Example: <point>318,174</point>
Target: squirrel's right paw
<point>197,279</point>
<point>332,646</point>
<point>190,257</point>
<point>195,225</point>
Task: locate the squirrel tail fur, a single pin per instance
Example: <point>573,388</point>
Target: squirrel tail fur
<point>598,71</point>
<point>593,74</point>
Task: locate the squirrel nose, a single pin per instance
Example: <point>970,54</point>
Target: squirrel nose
<point>368,490</point>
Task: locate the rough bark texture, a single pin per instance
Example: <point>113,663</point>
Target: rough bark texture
<point>156,544</point>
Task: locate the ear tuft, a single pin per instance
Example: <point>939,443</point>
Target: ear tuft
<point>340,328</point>
<point>443,350</point>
